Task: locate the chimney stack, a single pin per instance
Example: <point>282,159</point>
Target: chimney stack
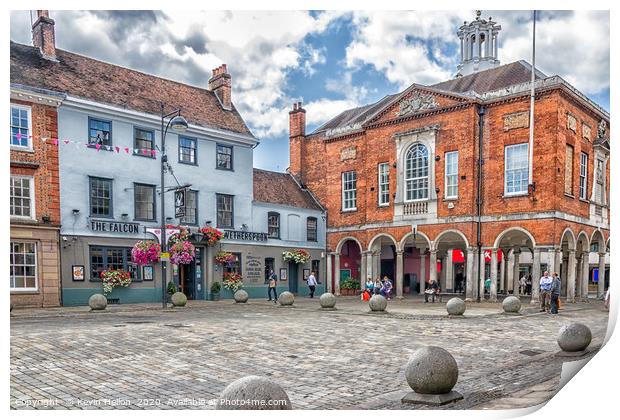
<point>43,35</point>
<point>220,84</point>
<point>297,133</point>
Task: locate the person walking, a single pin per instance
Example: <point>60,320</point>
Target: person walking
<point>528,285</point>
<point>273,282</point>
<point>387,288</point>
<point>459,282</point>
<point>545,292</point>
<point>311,280</point>
<point>556,286</point>
<point>522,284</point>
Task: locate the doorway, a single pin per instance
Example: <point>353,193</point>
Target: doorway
<point>190,277</point>
<point>293,277</point>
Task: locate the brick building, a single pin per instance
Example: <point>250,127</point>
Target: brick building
<point>34,192</point>
<point>438,182</point>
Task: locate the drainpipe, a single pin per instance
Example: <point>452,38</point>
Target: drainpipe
<point>481,111</point>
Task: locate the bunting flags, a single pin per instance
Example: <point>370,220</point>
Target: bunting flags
<point>97,147</point>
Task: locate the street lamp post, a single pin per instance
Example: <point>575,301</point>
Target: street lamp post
<point>178,123</point>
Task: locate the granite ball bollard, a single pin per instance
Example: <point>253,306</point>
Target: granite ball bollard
<point>286,299</point>
<point>511,305</point>
<point>455,306</point>
<point>97,302</point>
<point>241,296</point>
<point>574,338</point>
<point>377,303</point>
<point>253,393</point>
<point>431,372</point>
<point>179,299</point>
<point>328,301</point>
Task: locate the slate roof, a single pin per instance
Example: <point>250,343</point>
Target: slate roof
<point>95,80</point>
<point>280,188</point>
<point>354,116</point>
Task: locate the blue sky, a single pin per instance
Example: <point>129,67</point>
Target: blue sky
<point>331,61</point>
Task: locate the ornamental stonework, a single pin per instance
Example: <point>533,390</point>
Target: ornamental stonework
<point>516,120</point>
<point>348,153</point>
<point>571,122</point>
<point>586,132</point>
<point>417,102</point>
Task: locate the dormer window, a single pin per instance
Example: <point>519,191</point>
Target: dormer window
<point>416,173</point>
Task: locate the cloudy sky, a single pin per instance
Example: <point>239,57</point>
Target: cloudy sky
<point>329,60</point>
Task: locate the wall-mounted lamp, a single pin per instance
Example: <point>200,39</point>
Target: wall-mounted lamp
<point>75,212</point>
<point>437,190</point>
<point>437,158</point>
<point>199,236</point>
<point>124,215</point>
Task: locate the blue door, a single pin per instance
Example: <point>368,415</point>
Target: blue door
<point>292,277</point>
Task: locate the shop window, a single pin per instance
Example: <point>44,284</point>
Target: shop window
<point>235,266</point>
<point>23,266</point>
<point>270,264</point>
<point>111,258</point>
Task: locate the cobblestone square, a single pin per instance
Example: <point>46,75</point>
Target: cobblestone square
<point>140,357</point>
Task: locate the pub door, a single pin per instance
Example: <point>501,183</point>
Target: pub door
<point>293,277</point>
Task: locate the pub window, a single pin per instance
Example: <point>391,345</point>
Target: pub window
<point>187,150</point>
<point>273,225</point>
<point>100,197</point>
<point>349,191</point>
<point>516,169</point>
<point>22,196</point>
<point>111,258</point>
<point>235,266</point>
<point>452,172</point>
<point>583,176</point>
<point>21,127</point>
<point>191,208</point>
<point>224,157</point>
<point>144,202</point>
<point>225,211</point>
<point>568,170</point>
<point>315,268</point>
<point>100,132</point>
<point>23,266</point>
<point>384,184</point>
<point>144,142</point>
<point>311,229</point>
<point>270,264</point>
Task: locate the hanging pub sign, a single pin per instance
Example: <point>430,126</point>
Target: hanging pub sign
<point>179,202</point>
<point>113,226</point>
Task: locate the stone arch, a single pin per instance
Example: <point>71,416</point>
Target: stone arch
<point>379,235</point>
<point>403,241</point>
<point>570,237</point>
<point>515,229</point>
<point>583,236</point>
<point>344,240</point>
<point>597,236</point>
<point>447,232</point>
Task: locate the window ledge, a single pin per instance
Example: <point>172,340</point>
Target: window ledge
<point>348,210</point>
<point>383,206</point>
<point>569,195</point>
<point>584,200</point>
<point>25,292</point>
<point>148,156</point>
<point>515,195</point>
<point>451,199</point>
<point>225,169</point>
<point>188,163</point>
<point>22,149</point>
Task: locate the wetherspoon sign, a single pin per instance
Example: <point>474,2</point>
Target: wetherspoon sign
<point>240,235</point>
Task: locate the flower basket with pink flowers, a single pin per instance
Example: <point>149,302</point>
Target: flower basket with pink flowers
<point>225,258</point>
<point>182,252</point>
<point>145,252</point>
<point>212,235</point>
<point>232,281</point>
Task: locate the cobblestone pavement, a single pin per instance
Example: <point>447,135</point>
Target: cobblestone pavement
<point>142,358</point>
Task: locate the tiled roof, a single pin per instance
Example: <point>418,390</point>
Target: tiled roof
<point>479,82</point>
<point>94,80</point>
<point>281,188</point>
<point>492,79</point>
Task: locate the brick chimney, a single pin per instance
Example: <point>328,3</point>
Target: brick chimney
<point>297,132</point>
<point>43,35</point>
<point>220,84</point>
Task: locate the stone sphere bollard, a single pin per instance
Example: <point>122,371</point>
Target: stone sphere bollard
<point>455,306</point>
<point>574,337</point>
<point>286,299</point>
<point>179,299</point>
<point>511,305</point>
<point>241,296</point>
<point>240,394</point>
<point>432,372</point>
<point>328,301</point>
<point>98,302</point>
<point>377,303</point>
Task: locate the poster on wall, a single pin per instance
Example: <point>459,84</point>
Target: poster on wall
<point>283,274</point>
<point>147,272</point>
<point>306,273</point>
<point>77,272</point>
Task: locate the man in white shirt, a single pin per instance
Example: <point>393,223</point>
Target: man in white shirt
<point>311,280</point>
<point>546,282</point>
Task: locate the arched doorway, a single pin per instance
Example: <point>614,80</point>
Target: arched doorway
<point>381,257</point>
<point>568,267</point>
<point>522,260</point>
<point>451,249</point>
<point>414,254</point>
<point>599,280</point>
<point>347,264</point>
<point>583,266</point>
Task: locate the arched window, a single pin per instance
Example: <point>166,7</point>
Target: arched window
<point>416,173</point>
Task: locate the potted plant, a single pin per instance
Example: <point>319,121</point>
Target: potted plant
<point>145,252</point>
<point>232,281</point>
<point>215,290</point>
<point>299,256</point>
<point>114,278</point>
<point>349,287</point>
<point>211,235</point>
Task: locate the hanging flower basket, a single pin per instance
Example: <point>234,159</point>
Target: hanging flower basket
<point>182,236</point>
<point>232,281</point>
<point>182,252</point>
<point>300,256</point>
<point>224,258</point>
<point>114,278</point>
<point>145,252</point>
<point>212,235</point>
